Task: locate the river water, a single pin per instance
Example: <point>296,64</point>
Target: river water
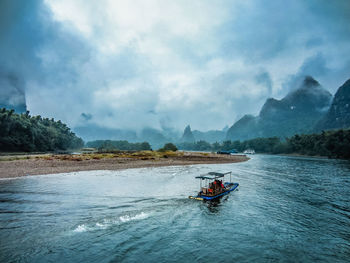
<point>287,209</point>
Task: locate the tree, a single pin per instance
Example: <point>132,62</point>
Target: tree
<point>169,147</point>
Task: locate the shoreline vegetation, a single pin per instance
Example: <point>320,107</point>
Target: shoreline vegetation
<point>33,134</point>
<point>331,144</point>
<point>26,133</point>
<point>12,166</point>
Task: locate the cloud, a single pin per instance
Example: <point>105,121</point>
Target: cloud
<point>165,64</point>
<point>265,80</point>
<point>313,66</point>
<point>13,93</point>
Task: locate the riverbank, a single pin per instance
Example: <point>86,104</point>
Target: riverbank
<point>11,167</point>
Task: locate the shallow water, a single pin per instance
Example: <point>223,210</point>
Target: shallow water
<point>287,209</point>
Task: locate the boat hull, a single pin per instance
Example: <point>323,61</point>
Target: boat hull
<point>205,197</point>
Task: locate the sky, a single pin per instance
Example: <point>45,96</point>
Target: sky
<point>168,63</point>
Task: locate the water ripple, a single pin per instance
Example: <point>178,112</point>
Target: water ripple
<point>286,209</point>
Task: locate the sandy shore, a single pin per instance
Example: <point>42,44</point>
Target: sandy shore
<point>35,165</point>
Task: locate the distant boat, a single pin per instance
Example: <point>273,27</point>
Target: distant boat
<point>214,186</point>
<point>233,151</point>
<point>249,151</point>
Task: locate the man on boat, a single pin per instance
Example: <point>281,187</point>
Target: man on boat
<point>218,186</point>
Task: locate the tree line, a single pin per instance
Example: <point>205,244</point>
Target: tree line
<point>23,132</point>
<point>333,144</point>
<point>119,145</point>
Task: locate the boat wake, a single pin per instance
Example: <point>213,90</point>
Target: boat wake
<point>128,218</point>
<point>106,223</point>
<point>80,228</point>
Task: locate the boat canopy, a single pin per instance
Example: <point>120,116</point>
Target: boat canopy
<point>212,175</point>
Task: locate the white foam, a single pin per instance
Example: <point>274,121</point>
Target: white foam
<point>99,225</point>
<point>109,222</point>
<point>128,218</point>
<point>80,228</point>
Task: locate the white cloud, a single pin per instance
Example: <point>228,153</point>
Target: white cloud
<point>139,62</point>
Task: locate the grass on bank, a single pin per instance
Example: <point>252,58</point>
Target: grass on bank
<point>139,155</point>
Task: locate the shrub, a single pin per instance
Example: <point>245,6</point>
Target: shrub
<point>168,147</point>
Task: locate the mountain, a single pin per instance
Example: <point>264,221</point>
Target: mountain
<point>338,116</point>
<point>187,135</point>
<point>154,137</point>
<point>210,136</point>
<point>244,129</point>
<point>91,132</point>
<point>298,112</point>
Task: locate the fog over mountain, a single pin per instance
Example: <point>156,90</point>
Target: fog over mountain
<point>338,116</point>
<point>161,64</point>
<point>298,112</point>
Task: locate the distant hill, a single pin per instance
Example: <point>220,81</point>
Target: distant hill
<point>245,128</point>
<point>209,136</point>
<point>187,135</point>
<point>92,132</point>
<point>298,112</point>
<point>338,116</point>
<point>154,137</point>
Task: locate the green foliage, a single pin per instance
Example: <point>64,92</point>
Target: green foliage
<point>195,146</point>
<point>333,144</point>
<point>168,147</point>
<point>119,145</point>
<point>22,132</point>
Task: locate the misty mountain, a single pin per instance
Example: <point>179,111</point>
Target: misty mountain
<point>154,137</point>
<point>298,112</point>
<point>244,129</point>
<point>209,136</point>
<point>92,132</point>
<point>338,116</point>
<point>187,135</point>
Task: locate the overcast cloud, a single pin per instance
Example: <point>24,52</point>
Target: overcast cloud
<point>166,63</point>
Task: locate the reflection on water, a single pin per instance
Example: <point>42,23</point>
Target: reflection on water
<point>286,209</point>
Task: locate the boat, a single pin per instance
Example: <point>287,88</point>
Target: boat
<point>249,151</point>
<point>212,186</point>
<point>233,151</point>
